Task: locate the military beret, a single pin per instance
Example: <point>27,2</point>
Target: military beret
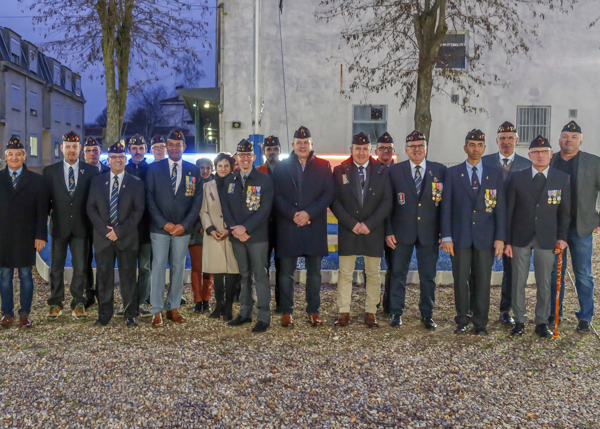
<point>572,127</point>
<point>176,135</point>
<point>271,141</point>
<point>157,140</point>
<point>14,143</point>
<point>91,141</point>
<point>415,136</point>
<point>137,140</point>
<point>385,138</point>
<point>476,135</point>
<point>540,141</point>
<point>302,133</point>
<point>361,139</point>
<point>118,147</point>
<point>71,137</point>
<point>507,127</point>
<point>245,147</point>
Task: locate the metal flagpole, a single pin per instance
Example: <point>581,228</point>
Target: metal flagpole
<point>257,138</point>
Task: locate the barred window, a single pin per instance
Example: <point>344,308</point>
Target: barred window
<point>370,119</point>
<point>533,121</point>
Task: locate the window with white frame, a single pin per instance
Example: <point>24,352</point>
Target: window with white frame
<point>15,50</point>
<point>531,122</point>
<point>16,102</point>
<point>56,112</point>
<point>56,75</point>
<point>453,52</point>
<point>369,119</point>
<point>33,145</point>
<point>34,105</point>
<point>78,86</point>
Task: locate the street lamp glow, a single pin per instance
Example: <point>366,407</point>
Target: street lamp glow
<point>207,105</point>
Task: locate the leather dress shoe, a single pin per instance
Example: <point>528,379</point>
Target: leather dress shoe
<point>371,320</point>
<point>428,323</point>
<point>542,331</point>
<point>157,320</point>
<point>518,330</point>
<point>506,318</point>
<point>396,320</point>
<point>6,321</point>
<point>175,316</point>
<point>239,320</point>
<point>260,327</point>
<point>480,330</point>
<point>131,323</point>
<point>460,329</point>
<point>24,321</point>
<point>206,306</point>
<point>583,327</point>
<point>101,322</point>
<point>315,320</point>
<point>287,321</point>
<point>198,307</point>
<point>342,320</point>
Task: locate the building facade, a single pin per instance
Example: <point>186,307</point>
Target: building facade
<point>547,90</point>
<point>40,100</point>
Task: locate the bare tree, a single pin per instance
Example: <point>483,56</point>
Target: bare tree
<point>101,119</point>
<point>191,73</point>
<point>396,44</point>
<point>121,33</point>
<point>146,110</point>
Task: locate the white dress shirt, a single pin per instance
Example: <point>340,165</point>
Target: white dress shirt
<point>112,182</point>
<point>510,158</point>
<point>413,170</point>
<point>75,166</point>
<point>534,172</point>
<point>179,171</point>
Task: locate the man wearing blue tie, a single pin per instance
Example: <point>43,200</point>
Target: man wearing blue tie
<point>473,229</point>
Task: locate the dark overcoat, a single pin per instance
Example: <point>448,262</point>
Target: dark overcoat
<point>311,190</point>
<point>23,218</point>
<point>353,205</point>
<point>140,171</point>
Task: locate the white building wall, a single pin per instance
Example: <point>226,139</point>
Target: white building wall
<point>562,75</point>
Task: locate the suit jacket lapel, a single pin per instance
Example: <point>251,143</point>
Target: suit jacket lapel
<point>21,181</point>
<point>61,176</point>
<point>407,170</point>
<point>352,172</point>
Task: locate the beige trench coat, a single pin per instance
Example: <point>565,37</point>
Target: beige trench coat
<point>217,256</point>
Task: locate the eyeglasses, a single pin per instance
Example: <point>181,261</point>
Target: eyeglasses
<point>117,157</point>
<point>510,139</point>
<point>95,150</point>
<point>417,146</point>
<point>540,152</point>
<point>385,148</point>
<point>245,155</point>
<point>159,147</point>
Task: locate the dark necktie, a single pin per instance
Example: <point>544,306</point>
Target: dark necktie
<point>114,202</point>
<point>71,181</point>
<point>475,180</point>
<point>361,175</point>
<point>174,178</point>
<point>539,181</point>
<point>14,179</point>
<point>505,164</point>
<point>418,179</point>
<point>244,178</point>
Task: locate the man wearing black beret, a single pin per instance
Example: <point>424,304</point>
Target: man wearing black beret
<point>509,162</point>
<point>473,230</point>
<point>584,170</point>
<point>538,200</point>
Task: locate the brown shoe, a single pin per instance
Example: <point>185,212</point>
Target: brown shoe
<point>287,321</point>
<point>157,320</point>
<point>24,321</point>
<point>79,312</point>
<point>54,312</point>
<point>6,321</point>
<point>315,320</point>
<point>343,320</point>
<point>176,316</point>
<point>371,321</point>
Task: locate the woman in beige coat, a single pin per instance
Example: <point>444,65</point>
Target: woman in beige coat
<point>217,254</point>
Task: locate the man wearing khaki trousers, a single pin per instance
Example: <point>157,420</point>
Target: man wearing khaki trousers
<point>362,202</point>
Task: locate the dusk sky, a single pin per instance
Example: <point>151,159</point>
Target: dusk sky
<point>18,17</point>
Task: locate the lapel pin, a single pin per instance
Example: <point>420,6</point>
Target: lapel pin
<point>462,175</point>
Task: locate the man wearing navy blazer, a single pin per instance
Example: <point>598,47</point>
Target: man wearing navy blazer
<point>115,206</point>
<point>68,185</point>
<point>473,229</point>
<point>174,199</point>
<point>247,200</point>
<point>417,187</point>
<point>539,206</point>
<point>509,162</point>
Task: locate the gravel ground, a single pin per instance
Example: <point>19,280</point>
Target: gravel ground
<point>69,374</point>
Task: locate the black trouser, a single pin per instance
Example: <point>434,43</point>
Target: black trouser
<point>90,285</point>
<point>505,302</point>
<point>79,257</point>
<point>105,266</point>
<point>387,256</point>
<point>472,272</point>
<point>272,250</point>
<point>427,257</point>
<point>224,287</point>
<point>313,284</point>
